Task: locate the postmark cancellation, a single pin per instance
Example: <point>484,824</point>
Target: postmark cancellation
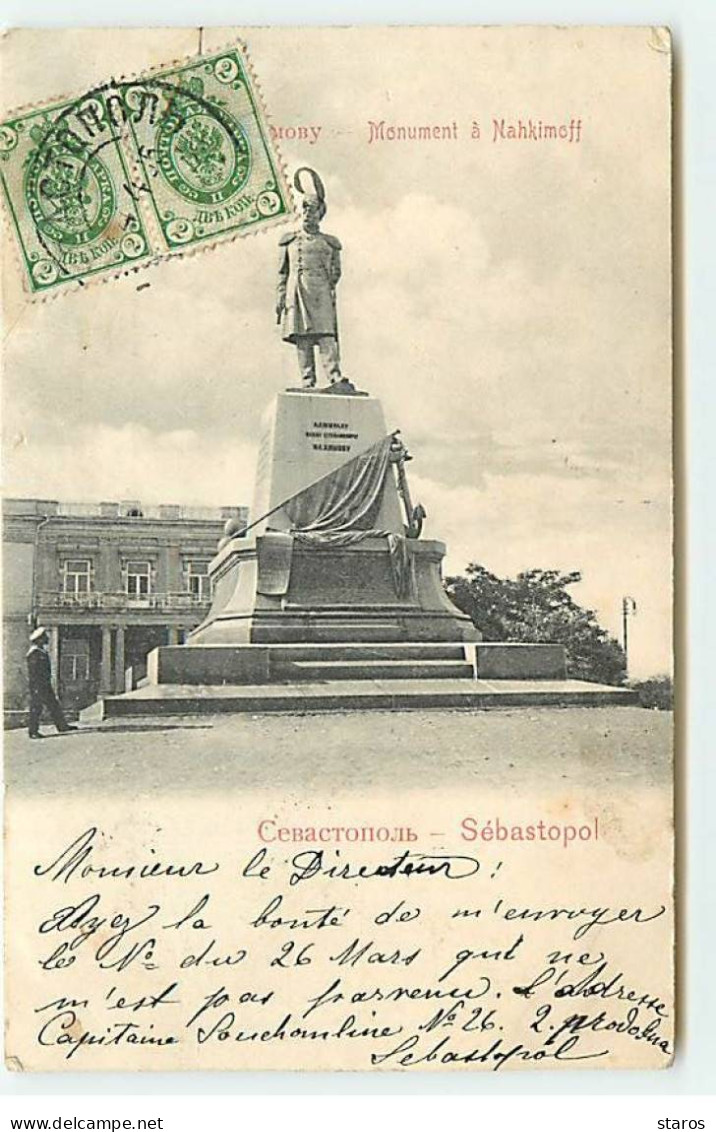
<point>140,169</point>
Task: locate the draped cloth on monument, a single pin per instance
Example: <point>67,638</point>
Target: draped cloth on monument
<point>340,510</point>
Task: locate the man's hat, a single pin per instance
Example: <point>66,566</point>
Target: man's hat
<point>39,633</point>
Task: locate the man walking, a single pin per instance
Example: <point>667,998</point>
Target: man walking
<point>39,671</point>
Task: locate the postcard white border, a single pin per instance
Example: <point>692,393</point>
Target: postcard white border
<point>693,24</point>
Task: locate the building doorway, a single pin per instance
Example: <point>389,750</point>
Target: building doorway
<point>78,676</point>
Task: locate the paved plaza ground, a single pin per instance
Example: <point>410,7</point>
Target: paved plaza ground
<point>515,750</point>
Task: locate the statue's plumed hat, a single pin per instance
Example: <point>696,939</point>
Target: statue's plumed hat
<point>319,192</point>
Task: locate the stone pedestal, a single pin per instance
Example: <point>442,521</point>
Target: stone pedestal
<point>305,436</point>
<point>331,594</point>
<point>273,588</point>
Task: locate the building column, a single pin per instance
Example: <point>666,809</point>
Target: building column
<point>54,631</point>
<point>105,679</point>
<point>119,661</point>
<point>173,635</point>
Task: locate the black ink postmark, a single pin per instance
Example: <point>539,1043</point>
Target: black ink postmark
<point>138,169</point>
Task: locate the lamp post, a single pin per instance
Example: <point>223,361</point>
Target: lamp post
<point>628,610</point>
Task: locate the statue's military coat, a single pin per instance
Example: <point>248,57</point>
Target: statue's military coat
<point>309,270</point>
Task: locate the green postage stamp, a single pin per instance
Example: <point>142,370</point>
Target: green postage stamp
<point>138,170</point>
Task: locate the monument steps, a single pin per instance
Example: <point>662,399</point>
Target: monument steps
<point>354,695</point>
<point>328,631</point>
<point>252,664</point>
<point>388,650</point>
<point>374,670</point>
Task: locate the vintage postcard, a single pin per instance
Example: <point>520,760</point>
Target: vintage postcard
<point>337,535</point>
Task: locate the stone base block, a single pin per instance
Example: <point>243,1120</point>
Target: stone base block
<point>210,664</point>
<point>498,660</point>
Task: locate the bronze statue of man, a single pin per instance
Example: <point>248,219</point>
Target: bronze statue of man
<point>308,274</point>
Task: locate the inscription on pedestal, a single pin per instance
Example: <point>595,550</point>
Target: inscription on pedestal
<point>331,436</point>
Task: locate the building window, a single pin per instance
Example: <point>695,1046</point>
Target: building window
<point>77,576</point>
<point>138,579</point>
<point>198,582</point>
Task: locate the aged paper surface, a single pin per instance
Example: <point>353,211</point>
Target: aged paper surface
<point>410,881</point>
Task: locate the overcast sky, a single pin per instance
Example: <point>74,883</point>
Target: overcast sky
<point>507,301</point>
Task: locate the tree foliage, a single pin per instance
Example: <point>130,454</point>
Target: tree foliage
<point>537,607</point>
<point>656,693</point>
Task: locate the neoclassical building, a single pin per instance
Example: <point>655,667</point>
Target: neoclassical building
<point>111,581</point>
